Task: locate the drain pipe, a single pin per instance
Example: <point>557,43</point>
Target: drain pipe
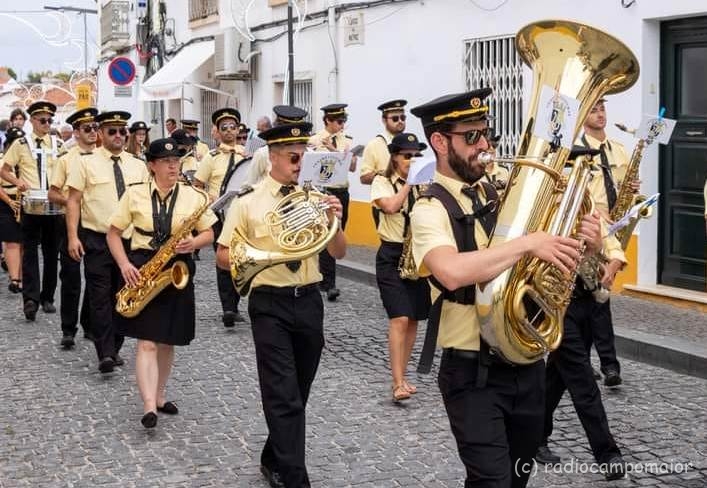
<point>334,39</point>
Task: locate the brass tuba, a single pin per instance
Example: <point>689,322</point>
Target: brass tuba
<point>300,227</point>
<point>521,311</point>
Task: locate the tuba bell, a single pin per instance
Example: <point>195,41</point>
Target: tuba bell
<point>300,227</point>
<point>521,311</point>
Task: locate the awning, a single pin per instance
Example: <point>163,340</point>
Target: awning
<point>168,82</point>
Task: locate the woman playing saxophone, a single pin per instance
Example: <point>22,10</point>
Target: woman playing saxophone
<point>162,213</point>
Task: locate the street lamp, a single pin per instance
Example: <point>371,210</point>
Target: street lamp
<point>83,11</point>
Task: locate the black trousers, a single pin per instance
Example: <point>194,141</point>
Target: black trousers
<point>40,230</point>
<point>602,328</point>
<point>288,336</point>
<point>70,276</point>
<point>327,264</point>
<point>226,290</point>
<point>498,428</point>
<point>103,279</point>
<point>569,368</point>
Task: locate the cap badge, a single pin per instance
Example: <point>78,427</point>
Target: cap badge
<point>169,146</point>
<point>411,138</point>
<point>475,102</point>
<point>295,132</point>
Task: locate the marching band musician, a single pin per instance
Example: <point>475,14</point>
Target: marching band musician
<point>376,155</point>
<point>189,162</point>
<point>405,300</point>
<point>285,308</point>
<point>214,174</point>
<point>192,128</point>
<point>260,165</point>
<point>332,138</point>
<point>603,187</point>
<point>138,140</point>
<point>96,185</point>
<point>156,211</point>
<point>85,135</point>
<point>35,161</point>
<point>495,409</point>
<point>10,229</point>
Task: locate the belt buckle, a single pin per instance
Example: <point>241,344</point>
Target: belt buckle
<point>297,291</point>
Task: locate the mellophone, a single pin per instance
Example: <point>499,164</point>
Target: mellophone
<point>36,202</point>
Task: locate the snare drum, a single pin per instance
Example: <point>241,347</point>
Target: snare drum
<point>36,202</point>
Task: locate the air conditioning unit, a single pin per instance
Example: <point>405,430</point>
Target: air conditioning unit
<point>232,58</point>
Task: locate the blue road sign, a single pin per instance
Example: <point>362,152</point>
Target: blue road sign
<point>121,71</point>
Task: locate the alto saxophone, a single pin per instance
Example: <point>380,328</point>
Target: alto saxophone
<point>153,278</point>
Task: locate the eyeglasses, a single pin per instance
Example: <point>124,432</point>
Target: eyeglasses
<point>226,127</point>
<point>472,136</point>
<point>113,131</point>
<point>407,156</point>
<point>89,128</point>
<point>44,120</point>
<point>396,118</point>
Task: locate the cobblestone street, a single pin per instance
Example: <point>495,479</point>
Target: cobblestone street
<point>65,424</point>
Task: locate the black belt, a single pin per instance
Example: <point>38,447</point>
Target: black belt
<point>450,352</point>
<point>288,291</point>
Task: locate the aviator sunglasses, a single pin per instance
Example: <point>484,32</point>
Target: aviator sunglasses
<point>226,127</point>
<point>472,136</point>
<point>113,131</point>
<point>44,120</point>
<point>88,128</point>
<point>396,118</point>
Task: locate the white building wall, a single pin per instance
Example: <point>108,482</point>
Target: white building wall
<point>414,51</point>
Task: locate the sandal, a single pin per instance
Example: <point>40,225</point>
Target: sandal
<point>412,389</point>
<point>400,393</point>
<point>15,286</point>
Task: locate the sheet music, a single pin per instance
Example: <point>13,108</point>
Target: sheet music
<point>421,172</point>
<point>632,214</point>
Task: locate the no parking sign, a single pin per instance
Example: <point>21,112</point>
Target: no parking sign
<point>121,71</point>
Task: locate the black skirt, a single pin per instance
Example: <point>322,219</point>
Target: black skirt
<point>10,230</point>
<point>401,298</point>
<point>170,317</point>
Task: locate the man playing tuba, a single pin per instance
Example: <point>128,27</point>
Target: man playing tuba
<point>495,408</point>
<point>285,306</point>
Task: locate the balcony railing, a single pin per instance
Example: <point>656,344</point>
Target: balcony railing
<point>202,9</point>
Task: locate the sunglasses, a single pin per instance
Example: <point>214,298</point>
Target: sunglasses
<point>407,156</point>
<point>295,158</point>
<point>338,121</point>
<point>226,127</point>
<point>89,128</point>
<point>396,118</point>
<point>472,136</point>
<point>44,120</point>
<point>241,138</point>
<point>113,131</point>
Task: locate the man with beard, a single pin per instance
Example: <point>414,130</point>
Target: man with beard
<point>376,154</point>
<point>495,409</point>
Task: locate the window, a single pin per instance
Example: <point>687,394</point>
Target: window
<point>302,96</point>
<point>201,9</point>
<point>494,62</point>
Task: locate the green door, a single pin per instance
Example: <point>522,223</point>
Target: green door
<point>682,249</point>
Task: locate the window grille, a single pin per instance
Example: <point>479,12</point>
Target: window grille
<point>494,62</point>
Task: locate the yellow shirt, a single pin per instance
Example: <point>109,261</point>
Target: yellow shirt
<point>21,154</point>
<point>376,155</point>
<point>247,214</point>
<point>259,166</point>
<point>190,164</point>
<point>496,172</point>
<point>202,149</point>
<point>135,208</point>
<point>618,161</point>
<point>66,163</point>
<point>391,226</point>
<point>94,177</point>
<point>459,326</point>
<point>213,167</point>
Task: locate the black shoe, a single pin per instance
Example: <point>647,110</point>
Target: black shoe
<point>67,341</point>
<point>48,307</point>
<point>597,374</point>
<point>612,378</point>
<point>229,319</point>
<point>118,361</point>
<point>15,286</point>
<point>106,365</point>
<point>273,477</point>
<point>170,408</point>
<point>30,309</point>
<point>615,469</point>
<point>332,294</point>
<point>545,456</point>
<point>149,420</point>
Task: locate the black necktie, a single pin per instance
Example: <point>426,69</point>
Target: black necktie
<point>333,141</point>
<point>229,173</point>
<point>284,191</point>
<point>481,212</point>
<point>118,173</point>
<point>38,140</point>
<point>608,179</point>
